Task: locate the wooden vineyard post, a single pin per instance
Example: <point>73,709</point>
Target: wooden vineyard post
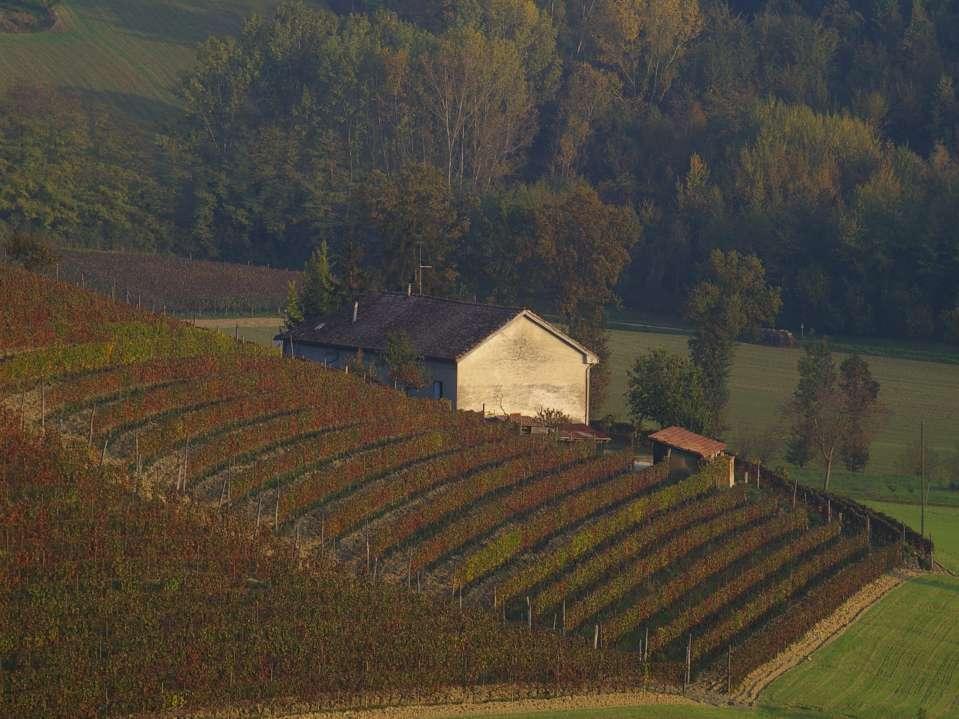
<point>43,408</point>
<point>729,670</point>
<point>296,541</point>
<point>259,510</point>
<point>93,411</point>
<point>795,489</point>
<point>564,617</point>
<point>596,636</point>
<point>367,552</point>
<point>829,509</point>
<point>689,654</point>
<point>409,571</point>
<point>646,645</point>
<point>868,534</point>
<point>529,613</point>
<point>276,514</point>
<point>23,398</point>
<point>103,452</point>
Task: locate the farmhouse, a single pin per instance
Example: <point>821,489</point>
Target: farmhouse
<point>685,450</point>
<point>496,360</point>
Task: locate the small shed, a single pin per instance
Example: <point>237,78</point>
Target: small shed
<point>686,450</point>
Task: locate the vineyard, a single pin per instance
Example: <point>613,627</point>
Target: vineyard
<point>333,521</point>
<point>177,284</point>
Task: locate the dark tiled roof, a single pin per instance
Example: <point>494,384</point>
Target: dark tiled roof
<point>438,329</point>
<point>687,441</point>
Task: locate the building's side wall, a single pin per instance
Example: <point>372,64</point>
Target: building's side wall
<point>436,371</point>
<point>523,368</point>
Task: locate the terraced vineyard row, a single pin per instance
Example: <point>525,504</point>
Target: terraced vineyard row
<point>533,528</point>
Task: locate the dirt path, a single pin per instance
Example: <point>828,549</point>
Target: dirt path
<point>480,708</point>
<point>819,636</point>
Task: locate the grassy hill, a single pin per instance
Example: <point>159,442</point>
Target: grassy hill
<point>404,492</point>
<point>126,53</point>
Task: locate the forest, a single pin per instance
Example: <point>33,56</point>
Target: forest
<point>568,154</point>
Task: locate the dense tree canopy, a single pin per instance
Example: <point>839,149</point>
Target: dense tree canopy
<point>516,143</point>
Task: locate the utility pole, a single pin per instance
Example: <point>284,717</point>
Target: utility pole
<point>922,476</point>
<point>419,269</point>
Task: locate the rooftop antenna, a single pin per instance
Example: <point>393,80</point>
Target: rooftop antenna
<point>420,268</point>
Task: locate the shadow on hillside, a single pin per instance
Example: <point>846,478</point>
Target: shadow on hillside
<point>184,22</point>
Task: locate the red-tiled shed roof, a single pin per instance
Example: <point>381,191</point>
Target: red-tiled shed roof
<point>687,441</point>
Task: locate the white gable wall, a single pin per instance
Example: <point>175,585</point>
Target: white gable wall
<point>523,368</point>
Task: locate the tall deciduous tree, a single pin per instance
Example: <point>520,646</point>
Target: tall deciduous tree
<point>834,412</point>
<point>667,389</point>
<point>408,217</point>
<point>643,41</point>
<point>734,299</point>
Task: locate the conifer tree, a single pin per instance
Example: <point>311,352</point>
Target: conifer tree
<point>320,294</point>
<point>292,312</point>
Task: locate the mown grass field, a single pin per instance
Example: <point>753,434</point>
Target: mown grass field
<point>127,53</point>
<point>942,524</point>
<point>763,377</point>
<point>901,657</point>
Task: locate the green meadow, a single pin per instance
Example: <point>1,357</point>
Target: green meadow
<point>125,53</point>
<point>942,524</point>
<point>763,378</point>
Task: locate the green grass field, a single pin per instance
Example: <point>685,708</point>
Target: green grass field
<point>127,53</point>
<point>900,657</point>
<point>763,377</point>
<point>942,524</point>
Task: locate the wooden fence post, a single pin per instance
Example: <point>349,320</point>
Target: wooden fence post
<point>729,670</point>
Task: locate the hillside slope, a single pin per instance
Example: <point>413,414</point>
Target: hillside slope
<point>127,53</point>
<point>405,492</point>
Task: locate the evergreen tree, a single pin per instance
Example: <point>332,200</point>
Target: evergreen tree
<point>320,295</point>
<point>292,312</point>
